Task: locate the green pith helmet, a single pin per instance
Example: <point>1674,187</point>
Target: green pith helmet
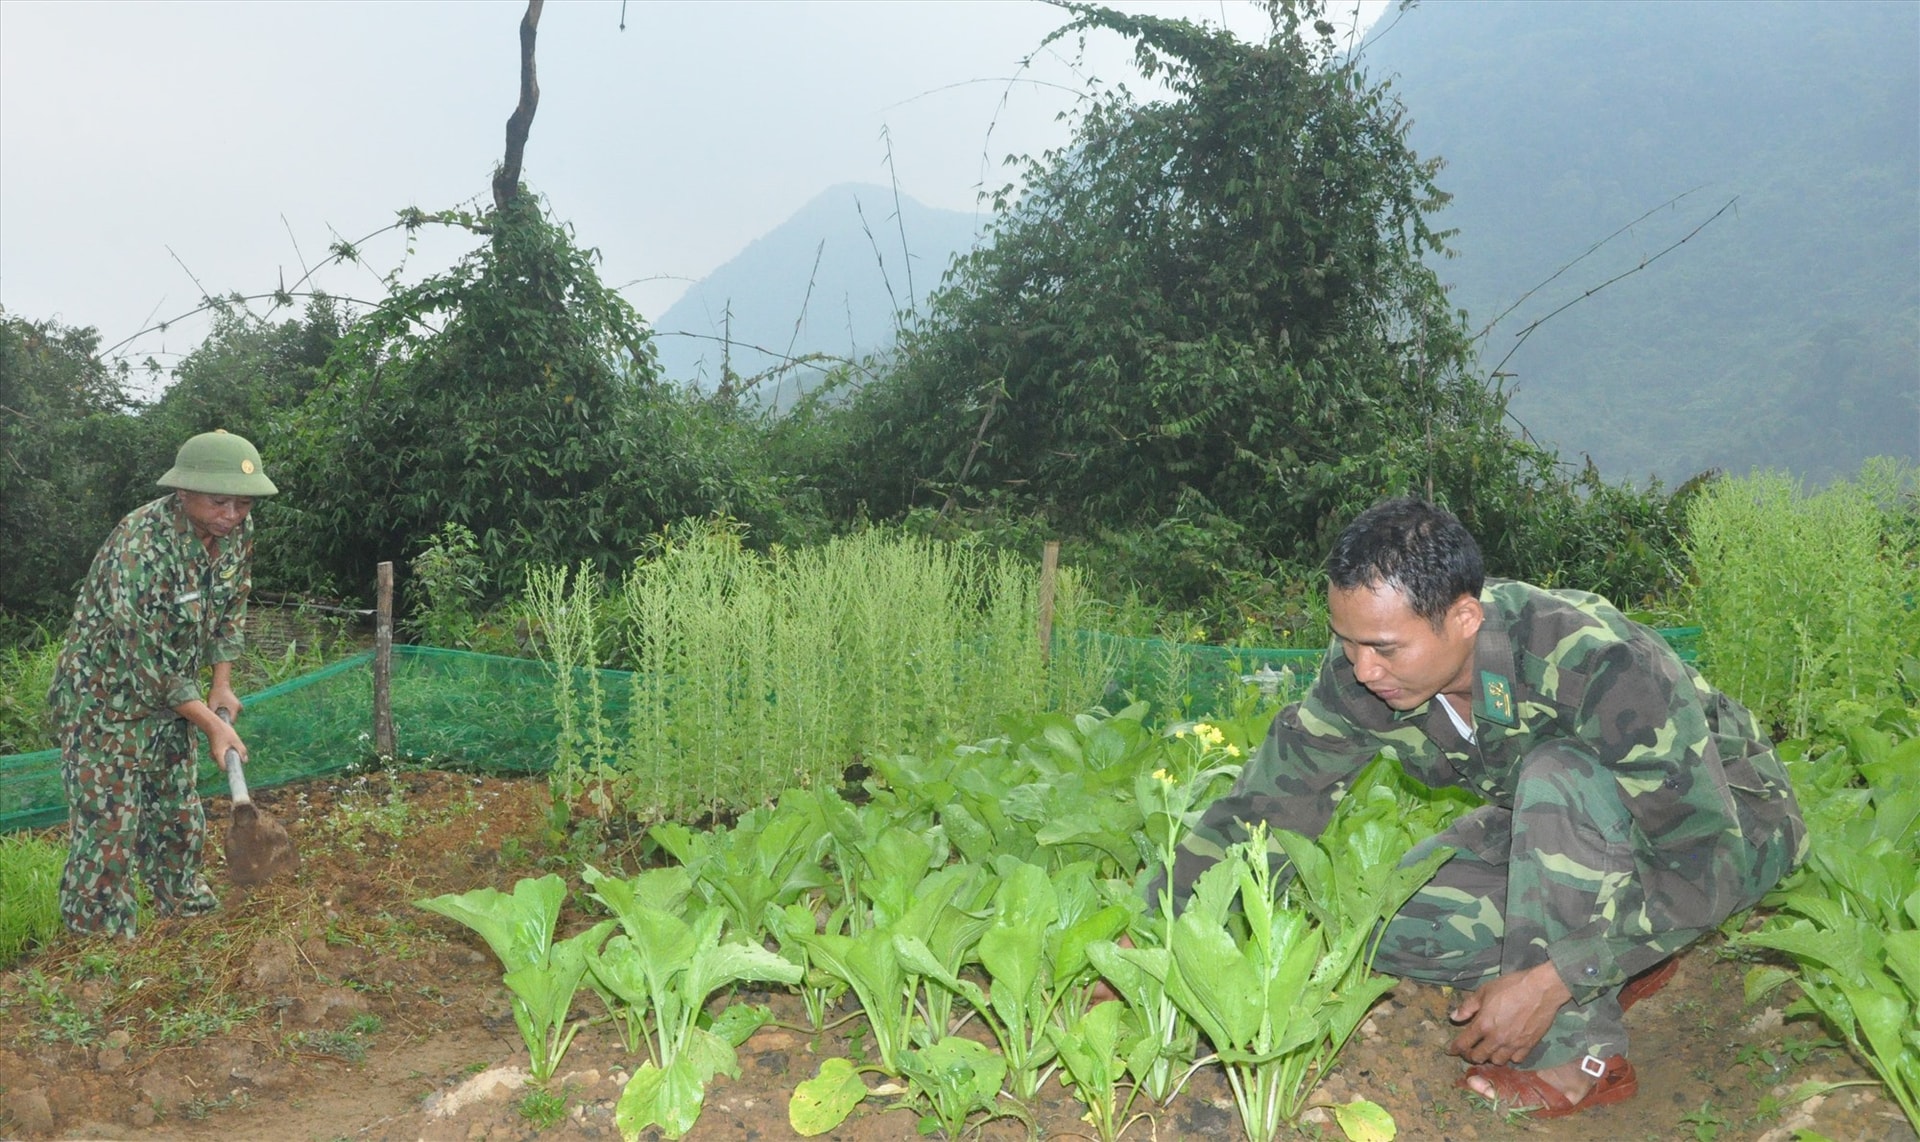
<point>219,464</point>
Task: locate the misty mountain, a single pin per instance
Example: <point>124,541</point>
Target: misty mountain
<point>1782,330</point>
<point>1739,184</point>
<point>831,279</point>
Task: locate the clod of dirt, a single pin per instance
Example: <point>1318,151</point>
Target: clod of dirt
<point>270,964</point>
<point>496,1083</point>
<point>317,1009</point>
<point>30,1110</point>
<point>264,1075</point>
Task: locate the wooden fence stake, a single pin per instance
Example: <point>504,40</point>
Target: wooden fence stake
<point>383,661</point>
<point>1049,572</point>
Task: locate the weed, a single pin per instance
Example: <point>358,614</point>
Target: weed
<point>64,1021</point>
<point>339,1044</point>
<point>1511,1116</point>
<point>1804,598</point>
<point>364,1024</point>
<point>450,574</point>
<point>543,1108</point>
<point>1800,1050</point>
<point>201,1021</point>
<point>1707,1122</point>
<point>197,1109</point>
<point>97,965</point>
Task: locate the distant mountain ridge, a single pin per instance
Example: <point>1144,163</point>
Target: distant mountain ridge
<point>833,279</point>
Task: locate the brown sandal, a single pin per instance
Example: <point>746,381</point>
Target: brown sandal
<point>1513,1089</point>
<point>1648,982</point>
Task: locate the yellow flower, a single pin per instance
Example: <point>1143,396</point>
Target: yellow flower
<point>1233,751</point>
<point>1163,776</point>
<point>1209,733</point>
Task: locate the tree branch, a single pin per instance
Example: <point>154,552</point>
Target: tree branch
<point>506,180</point>
<point>1520,338</point>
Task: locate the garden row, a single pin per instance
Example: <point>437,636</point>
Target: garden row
<point>990,888</point>
<point>993,884</point>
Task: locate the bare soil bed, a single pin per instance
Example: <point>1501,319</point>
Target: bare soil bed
<point>330,1008</point>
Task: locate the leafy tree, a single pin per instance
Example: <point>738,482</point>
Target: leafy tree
<point>513,394</point>
<point>1204,336</point>
<point>248,376</point>
<point>63,436</point>
<point>1217,299</point>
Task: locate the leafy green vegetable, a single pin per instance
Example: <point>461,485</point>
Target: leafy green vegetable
<point>541,975</point>
<point>960,1078</point>
<point>1093,1049</point>
<point>1849,919</point>
<point>663,968</point>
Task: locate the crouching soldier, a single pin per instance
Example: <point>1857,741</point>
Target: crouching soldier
<point>1630,806</point>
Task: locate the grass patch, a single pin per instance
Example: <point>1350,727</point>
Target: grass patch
<point>26,670</point>
<point>195,1024</point>
<point>543,1108</point>
<point>339,1044</point>
<point>29,893</point>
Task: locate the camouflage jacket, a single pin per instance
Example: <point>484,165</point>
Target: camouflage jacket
<point>154,610</point>
<point>1699,779</point>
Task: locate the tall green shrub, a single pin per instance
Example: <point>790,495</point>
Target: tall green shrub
<point>753,673</point>
<point>1807,600</point>
<point>515,394</point>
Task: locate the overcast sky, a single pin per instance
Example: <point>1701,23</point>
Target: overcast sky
<point>145,146</point>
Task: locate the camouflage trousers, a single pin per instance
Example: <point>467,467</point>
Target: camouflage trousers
<point>132,810</point>
<point>1523,877</point>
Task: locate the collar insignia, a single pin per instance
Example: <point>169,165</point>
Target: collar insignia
<point>1496,699</point>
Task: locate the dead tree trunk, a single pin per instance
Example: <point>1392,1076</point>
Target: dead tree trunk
<point>506,180</point>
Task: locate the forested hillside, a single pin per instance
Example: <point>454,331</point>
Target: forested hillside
<point>1784,332</point>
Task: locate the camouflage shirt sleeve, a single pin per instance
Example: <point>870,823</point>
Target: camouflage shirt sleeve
<point>1293,781</point>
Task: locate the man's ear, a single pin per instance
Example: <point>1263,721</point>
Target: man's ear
<point>1465,616</point>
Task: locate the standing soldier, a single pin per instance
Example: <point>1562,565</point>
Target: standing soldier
<point>1631,807</point>
<point>164,598</point>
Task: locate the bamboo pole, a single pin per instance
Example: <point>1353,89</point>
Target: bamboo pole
<point>383,661</point>
<point>1049,573</point>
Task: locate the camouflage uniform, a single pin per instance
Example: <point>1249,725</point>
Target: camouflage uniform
<point>153,612</point>
<point>1632,807</point>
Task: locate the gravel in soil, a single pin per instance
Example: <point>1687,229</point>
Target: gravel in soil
<point>330,1008</point>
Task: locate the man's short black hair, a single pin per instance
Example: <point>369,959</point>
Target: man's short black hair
<point>1414,547</point>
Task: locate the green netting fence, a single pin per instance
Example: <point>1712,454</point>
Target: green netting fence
<point>483,712</point>
<point>450,707</point>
